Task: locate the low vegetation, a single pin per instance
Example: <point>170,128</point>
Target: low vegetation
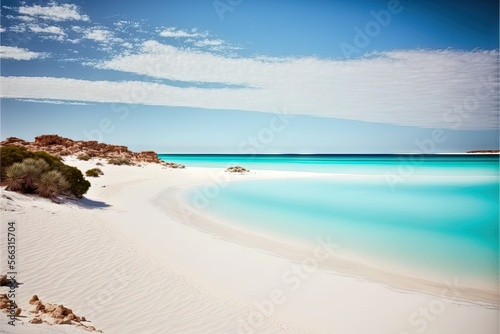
<point>83,157</point>
<point>120,161</point>
<point>94,172</point>
<point>172,165</point>
<point>51,184</point>
<point>237,169</point>
<point>40,172</point>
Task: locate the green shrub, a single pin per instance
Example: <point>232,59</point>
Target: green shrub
<point>77,183</point>
<point>120,161</point>
<point>51,184</point>
<point>53,161</point>
<point>33,169</point>
<point>33,175</point>
<point>15,176</point>
<point>84,157</point>
<point>13,154</point>
<point>94,172</point>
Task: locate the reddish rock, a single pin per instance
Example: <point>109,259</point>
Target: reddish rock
<point>36,320</point>
<point>47,140</point>
<point>5,303</point>
<point>147,156</point>
<point>62,322</point>
<point>57,145</point>
<point>15,141</point>
<point>50,308</point>
<point>33,299</point>
<point>58,314</point>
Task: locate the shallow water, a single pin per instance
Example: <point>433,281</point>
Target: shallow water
<point>436,218</point>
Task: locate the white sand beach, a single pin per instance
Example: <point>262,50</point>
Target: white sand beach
<point>126,259</point>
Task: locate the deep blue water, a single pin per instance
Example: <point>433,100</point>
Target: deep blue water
<point>434,214</point>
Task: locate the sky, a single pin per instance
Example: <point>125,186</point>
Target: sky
<point>254,76</point>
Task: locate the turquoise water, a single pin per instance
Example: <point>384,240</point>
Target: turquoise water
<point>439,216</point>
<point>358,164</point>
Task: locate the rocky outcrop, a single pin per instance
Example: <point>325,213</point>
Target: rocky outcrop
<point>147,156</point>
<point>173,165</point>
<point>15,141</point>
<point>237,169</point>
<point>61,146</point>
<point>9,306</point>
<point>56,315</point>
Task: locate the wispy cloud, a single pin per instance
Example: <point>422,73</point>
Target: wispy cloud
<point>18,28</point>
<point>41,30</point>
<point>21,18</point>
<point>98,35</point>
<point>209,42</point>
<point>12,52</point>
<point>179,33</point>
<point>46,29</point>
<point>101,35</point>
<point>201,40</point>
<point>403,87</point>
<point>412,88</point>
<point>55,102</point>
<point>54,12</point>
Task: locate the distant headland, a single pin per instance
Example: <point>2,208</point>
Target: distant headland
<point>485,151</point>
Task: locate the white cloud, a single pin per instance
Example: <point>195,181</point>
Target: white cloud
<point>101,35</point>
<point>216,45</point>
<point>413,88</point>
<point>2,29</point>
<point>209,42</point>
<point>54,12</point>
<point>55,102</point>
<point>198,39</point>
<point>18,28</point>
<point>127,24</point>
<point>12,52</point>
<point>58,38</point>
<point>179,33</point>
<point>25,18</point>
<point>98,35</point>
<point>21,17</point>
<point>47,29</point>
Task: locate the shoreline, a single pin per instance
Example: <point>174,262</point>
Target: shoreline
<point>119,260</point>
<point>171,200</point>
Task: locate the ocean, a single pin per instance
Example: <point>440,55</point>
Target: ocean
<point>435,216</point>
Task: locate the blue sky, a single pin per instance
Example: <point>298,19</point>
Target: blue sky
<point>254,76</point>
